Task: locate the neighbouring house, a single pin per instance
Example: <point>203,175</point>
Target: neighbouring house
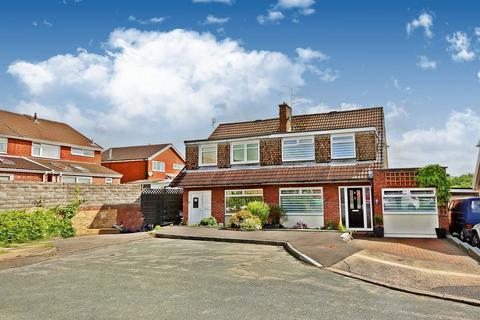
<point>476,177</point>
<point>153,165</point>
<point>35,149</point>
<point>320,168</point>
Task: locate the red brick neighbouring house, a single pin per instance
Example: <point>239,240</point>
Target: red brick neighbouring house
<point>319,167</point>
<point>149,165</point>
<point>35,149</point>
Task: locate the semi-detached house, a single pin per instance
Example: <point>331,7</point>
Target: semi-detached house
<point>319,167</point>
<point>35,149</point>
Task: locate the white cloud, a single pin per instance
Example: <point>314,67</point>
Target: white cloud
<point>170,83</point>
<point>478,75</point>
<point>477,31</point>
<point>154,20</point>
<point>424,21</point>
<point>396,84</point>
<point>271,17</point>
<point>309,107</point>
<point>307,11</point>
<point>460,47</point>
<point>451,145</point>
<point>307,54</point>
<point>395,112</point>
<point>229,2</point>
<point>45,23</point>
<point>211,19</point>
<point>292,4</point>
<point>426,64</point>
<point>325,75</point>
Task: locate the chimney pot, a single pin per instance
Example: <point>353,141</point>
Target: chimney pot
<point>285,117</point>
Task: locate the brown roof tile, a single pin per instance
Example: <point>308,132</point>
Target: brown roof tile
<point>20,164</point>
<point>24,126</point>
<point>276,175</point>
<point>132,153</point>
<point>77,168</point>
<point>360,118</point>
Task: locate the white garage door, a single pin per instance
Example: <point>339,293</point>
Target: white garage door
<point>410,212</point>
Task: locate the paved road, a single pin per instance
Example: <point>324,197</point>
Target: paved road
<point>179,279</point>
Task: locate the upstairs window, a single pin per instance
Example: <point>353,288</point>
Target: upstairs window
<point>245,152</point>
<point>343,146</point>
<point>83,152</point>
<point>45,150</point>
<point>158,166</point>
<point>178,166</point>
<point>298,149</point>
<point>3,145</point>
<point>208,155</point>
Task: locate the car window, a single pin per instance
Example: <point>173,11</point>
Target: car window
<point>475,206</point>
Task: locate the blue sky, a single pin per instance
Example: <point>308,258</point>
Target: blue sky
<point>135,72</point>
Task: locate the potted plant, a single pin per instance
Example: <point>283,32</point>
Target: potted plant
<point>378,228</point>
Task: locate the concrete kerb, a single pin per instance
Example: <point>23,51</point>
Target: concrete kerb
<point>473,302</point>
<point>285,244</point>
<point>474,253</point>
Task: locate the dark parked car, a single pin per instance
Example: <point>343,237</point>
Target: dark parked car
<point>465,213</point>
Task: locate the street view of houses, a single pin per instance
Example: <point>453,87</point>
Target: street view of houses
<point>233,159</point>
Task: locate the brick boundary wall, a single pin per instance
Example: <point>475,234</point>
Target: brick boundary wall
<point>104,204</point>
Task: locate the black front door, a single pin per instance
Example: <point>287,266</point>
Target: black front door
<point>355,208</point>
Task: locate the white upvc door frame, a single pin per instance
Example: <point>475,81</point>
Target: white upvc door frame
<point>364,207</point>
<point>203,195</point>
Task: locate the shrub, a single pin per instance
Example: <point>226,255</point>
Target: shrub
<point>378,220</point>
<point>259,209</point>
<point>238,218</point>
<point>251,224</point>
<point>330,225</point>
<point>209,222</point>
<point>277,215</point>
<point>435,176</point>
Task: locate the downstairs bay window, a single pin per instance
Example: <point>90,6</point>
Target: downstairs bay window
<point>236,200</point>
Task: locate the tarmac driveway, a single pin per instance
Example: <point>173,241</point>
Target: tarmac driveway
<point>172,279</point>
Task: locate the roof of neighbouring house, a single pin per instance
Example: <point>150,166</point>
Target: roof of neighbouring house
<point>26,127</point>
<point>77,168</point>
<point>273,175</point>
<point>133,152</point>
<point>359,118</point>
<point>14,163</point>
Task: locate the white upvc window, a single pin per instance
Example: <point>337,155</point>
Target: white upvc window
<point>343,146</point>
<point>208,155</point>
<point>245,152</point>
<point>409,201</point>
<point>298,149</point>
<point>158,166</point>
<point>45,150</point>
<point>77,179</point>
<point>3,145</point>
<point>108,180</point>
<point>302,201</point>
<point>236,200</point>
<point>178,166</point>
<point>6,177</point>
<point>83,152</point>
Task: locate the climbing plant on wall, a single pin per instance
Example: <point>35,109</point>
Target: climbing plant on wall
<point>435,176</point>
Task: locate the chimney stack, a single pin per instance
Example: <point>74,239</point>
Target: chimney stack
<point>285,116</point>
<point>110,153</point>
<point>35,117</point>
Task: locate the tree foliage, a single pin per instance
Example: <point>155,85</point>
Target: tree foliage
<point>463,181</point>
<point>435,176</point>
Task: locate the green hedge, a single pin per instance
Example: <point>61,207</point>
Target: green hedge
<point>42,224</point>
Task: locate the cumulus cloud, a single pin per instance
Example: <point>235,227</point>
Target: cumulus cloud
<point>271,17</point>
<point>170,83</point>
<point>211,19</point>
<point>44,23</point>
<point>289,4</point>
<point>395,111</point>
<point>460,47</point>
<point>426,64</point>
<point>452,145</point>
<point>154,20</point>
<point>425,21</point>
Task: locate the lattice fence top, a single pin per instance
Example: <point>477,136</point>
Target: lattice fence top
<point>162,191</point>
<point>401,178</point>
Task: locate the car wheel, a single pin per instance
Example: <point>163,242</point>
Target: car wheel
<point>475,240</point>
<point>462,236</point>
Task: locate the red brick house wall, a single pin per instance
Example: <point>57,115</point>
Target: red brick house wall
<point>131,170</point>
<point>169,157</point>
<point>24,176</point>
<point>271,196</point>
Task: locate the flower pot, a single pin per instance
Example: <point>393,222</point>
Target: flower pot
<point>378,232</point>
<point>441,233</point>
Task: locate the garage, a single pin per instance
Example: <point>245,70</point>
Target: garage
<point>410,212</point>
